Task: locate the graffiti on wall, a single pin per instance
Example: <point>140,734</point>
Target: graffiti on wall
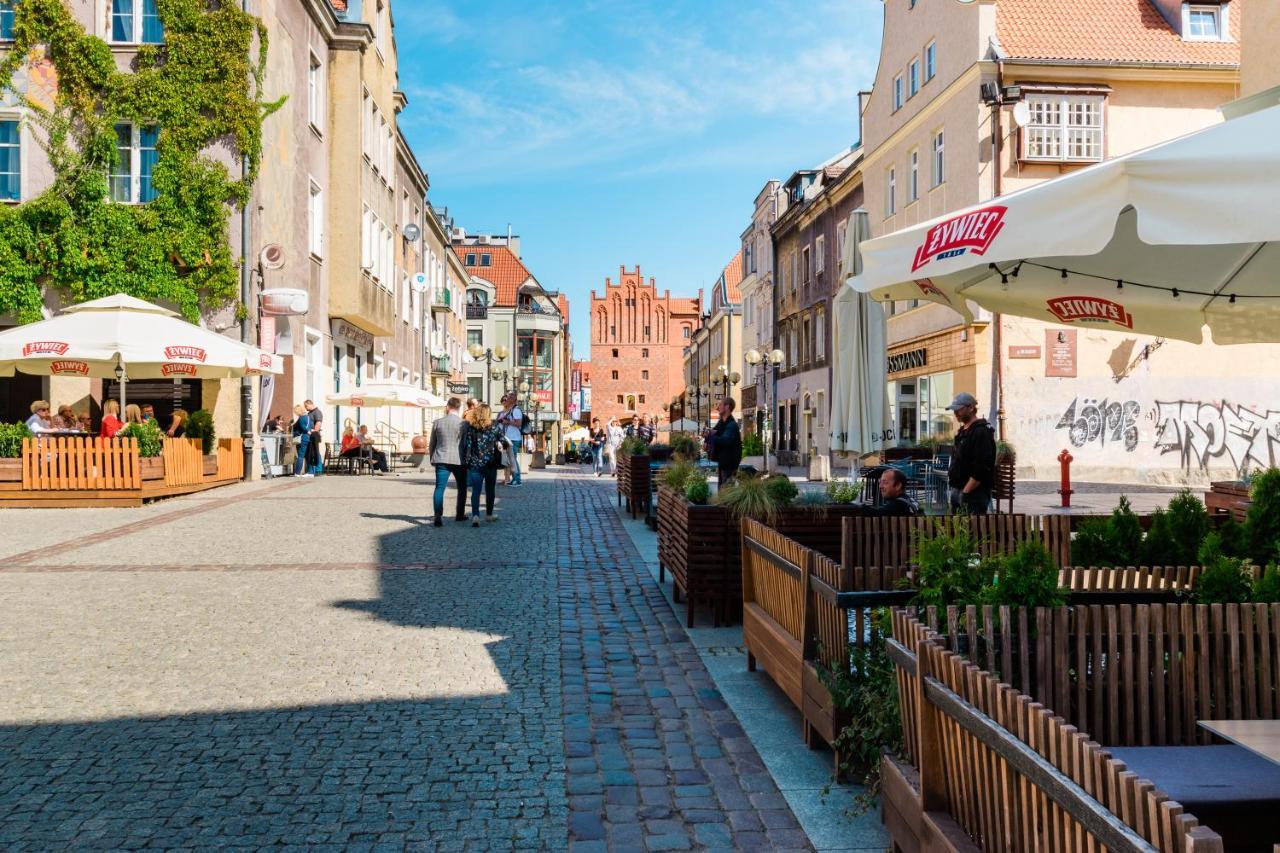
<point>1102,422</point>
<point>1223,433</point>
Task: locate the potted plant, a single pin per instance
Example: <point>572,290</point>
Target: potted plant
<point>200,425</point>
<point>150,445</point>
<point>634,479</point>
<point>11,436</point>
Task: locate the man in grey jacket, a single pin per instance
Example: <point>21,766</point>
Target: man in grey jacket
<point>446,456</point>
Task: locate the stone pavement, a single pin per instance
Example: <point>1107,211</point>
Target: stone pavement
<point>311,664</point>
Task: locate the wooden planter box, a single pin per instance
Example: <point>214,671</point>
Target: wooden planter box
<point>211,465</point>
<point>634,482</point>
<point>1006,482</point>
<point>1230,497</point>
<point>152,467</point>
<point>10,470</point>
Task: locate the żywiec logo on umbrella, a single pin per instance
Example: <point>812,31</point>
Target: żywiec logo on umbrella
<point>1090,309</point>
<point>177,370</point>
<point>185,353</point>
<point>357,401</point>
<point>69,368</point>
<point>927,287</point>
<point>45,348</point>
<point>968,232</point>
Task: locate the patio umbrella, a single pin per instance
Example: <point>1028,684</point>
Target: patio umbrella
<point>379,394</point>
<point>683,425</point>
<point>1162,241</point>
<point>120,336</point>
<point>579,434</point>
<point>859,411</point>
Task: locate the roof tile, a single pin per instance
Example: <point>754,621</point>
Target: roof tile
<point>505,271</point>
<point>732,278</point>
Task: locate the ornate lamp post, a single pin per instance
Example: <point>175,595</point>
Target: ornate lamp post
<point>489,356</point>
<point>770,363</point>
<point>726,380</point>
<point>697,393</point>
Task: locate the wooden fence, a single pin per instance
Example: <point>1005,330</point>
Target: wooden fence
<point>183,461</point>
<point>65,463</point>
<point>873,541</point>
<point>1009,773</point>
<point>230,459</point>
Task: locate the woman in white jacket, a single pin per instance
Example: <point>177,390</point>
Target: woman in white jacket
<point>613,441</point>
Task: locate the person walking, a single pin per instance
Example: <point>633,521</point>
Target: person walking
<point>482,453</point>
<point>302,439</point>
<point>614,437</point>
<point>445,451</point>
<point>972,472</point>
<point>724,441</point>
<point>596,440</point>
<point>512,422</point>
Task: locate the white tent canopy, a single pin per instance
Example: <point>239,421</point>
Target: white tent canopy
<point>1162,241</point>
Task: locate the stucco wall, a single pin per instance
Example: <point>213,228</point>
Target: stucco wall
<point>1260,47</point>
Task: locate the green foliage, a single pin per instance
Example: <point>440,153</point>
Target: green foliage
<point>781,489</point>
<point>749,497</point>
<point>1223,579</point>
<point>1262,524</point>
<point>1025,578</point>
<point>634,445</point>
<point>11,436</point>
<point>867,691</point>
<point>677,474</point>
<point>1005,450</point>
<point>697,490</point>
<point>949,569</point>
<point>686,446</point>
<point>1114,541</point>
<point>1177,533</point>
<point>150,438</point>
<point>812,498</point>
<point>1266,589</point>
<point>753,445</point>
<point>203,89</point>
<point>844,491</point>
<point>200,425</point>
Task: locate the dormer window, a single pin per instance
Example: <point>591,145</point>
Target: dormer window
<point>486,259</point>
<point>1203,22</point>
<point>471,259</point>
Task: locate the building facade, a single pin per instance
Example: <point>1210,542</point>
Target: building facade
<point>714,357</point>
<point>637,337</point>
<point>757,304</point>
<point>1128,75</point>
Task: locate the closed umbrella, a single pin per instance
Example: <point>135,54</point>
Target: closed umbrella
<point>860,412</point>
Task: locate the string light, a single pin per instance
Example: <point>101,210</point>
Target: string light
<point>1175,292</point>
<point>1064,273</point>
<point>1119,284</point>
<point>1232,300</point>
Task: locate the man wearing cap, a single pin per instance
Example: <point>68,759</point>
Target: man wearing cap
<point>973,464</point>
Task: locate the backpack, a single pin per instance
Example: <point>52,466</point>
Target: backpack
<point>526,424</point>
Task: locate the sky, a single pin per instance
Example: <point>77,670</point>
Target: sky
<point>609,133</point>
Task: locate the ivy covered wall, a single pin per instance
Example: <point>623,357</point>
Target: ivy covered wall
<point>203,89</point>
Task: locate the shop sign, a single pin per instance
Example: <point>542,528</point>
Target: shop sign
<point>1060,344</point>
<point>186,352</point>
<point>544,395</point>
<point>1024,352</point>
<point>910,360</point>
<point>64,367</point>
<point>459,388</point>
<point>267,334</point>
<point>352,334</point>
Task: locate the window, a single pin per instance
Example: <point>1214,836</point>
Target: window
<point>820,254</point>
<point>913,78</point>
<point>842,232</point>
<point>939,162</point>
<point>642,399</point>
<point>135,21</point>
<point>891,191</point>
<point>644,374</point>
<point>930,61</point>
<point>619,399</point>
<point>486,259</point>
<point>615,353</point>
<point>6,19</point>
<point>614,374</point>
<point>315,220</point>
<point>10,160</point>
<point>315,93</point>
<point>1064,128</point>
<point>686,332</point>
<point>804,265</point>
<point>913,184</point>
<point>819,335</point>
<point>897,93</point>
<point>135,162</point>
<point>379,37</point>
<point>795,275</point>
<point>644,353</point>
<point>366,239</point>
<point>475,336</point>
<point>1203,23</point>
<point>471,259</point>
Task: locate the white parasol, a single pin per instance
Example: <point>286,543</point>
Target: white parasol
<point>378,394</point>
<point>859,410</point>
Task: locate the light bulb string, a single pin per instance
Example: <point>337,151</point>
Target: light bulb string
<point>1122,283</point>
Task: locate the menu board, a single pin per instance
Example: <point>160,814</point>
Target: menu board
<point>1060,352</point>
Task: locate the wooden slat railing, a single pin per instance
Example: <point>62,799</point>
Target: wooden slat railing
<point>230,459</point>
<point>68,463</point>
<point>1012,774</point>
<point>183,461</point>
<point>872,541</point>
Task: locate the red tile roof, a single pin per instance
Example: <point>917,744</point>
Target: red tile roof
<point>563,302</point>
<point>505,272</point>
<point>732,278</point>
<point>1124,31</point>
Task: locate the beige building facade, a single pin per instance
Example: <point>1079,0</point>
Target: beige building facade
<point>757,306</point>
<point>1130,408</point>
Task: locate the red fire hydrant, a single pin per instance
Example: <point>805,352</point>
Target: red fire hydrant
<point>1065,459</point>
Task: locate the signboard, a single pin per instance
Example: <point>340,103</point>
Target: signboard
<point>459,388</point>
<point>544,396</point>
<point>1060,346</point>
<point>910,360</point>
<point>352,334</point>
<point>586,398</point>
<point>1024,352</point>
<point>267,334</point>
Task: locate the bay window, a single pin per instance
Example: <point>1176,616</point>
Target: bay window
<point>1064,128</point>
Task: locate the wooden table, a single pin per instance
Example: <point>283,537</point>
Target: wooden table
<point>1261,737</point>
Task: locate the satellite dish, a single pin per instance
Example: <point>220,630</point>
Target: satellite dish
<point>412,232</point>
<point>1021,114</point>
<point>419,282</point>
<point>272,256</point>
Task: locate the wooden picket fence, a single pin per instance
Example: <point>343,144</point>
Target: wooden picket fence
<point>1129,578</point>
<point>67,463</point>
<point>872,541</point>
<point>230,459</point>
<point>183,461</point>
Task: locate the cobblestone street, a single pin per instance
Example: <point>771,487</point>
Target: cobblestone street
<point>312,664</point>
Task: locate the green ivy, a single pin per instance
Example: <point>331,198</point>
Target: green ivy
<point>203,88</point>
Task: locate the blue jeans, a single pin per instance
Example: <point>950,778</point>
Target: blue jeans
<point>486,478</point>
<point>515,457</point>
<point>459,474</point>
<point>597,460</point>
<point>300,464</point>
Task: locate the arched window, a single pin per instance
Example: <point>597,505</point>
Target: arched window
<point>477,297</point>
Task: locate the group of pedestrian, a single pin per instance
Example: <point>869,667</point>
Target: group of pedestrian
<point>471,448</point>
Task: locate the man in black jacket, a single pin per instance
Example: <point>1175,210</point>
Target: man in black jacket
<point>894,500</point>
<point>973,464</point>
<point>724,441</point>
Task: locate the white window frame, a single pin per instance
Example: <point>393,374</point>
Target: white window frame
<point>379,30</point>
<point>315,219</point>
<point>930,61</point>
<point>1051,124</point>
<point>939,157</point>
<point>109,17</point>
<point>820,335</point>
<point>897,93</point>
<point>22,155</point>
<point>1220,14</point>
<point>366,240</point>
<point>820,254</point>
<point>913,78</point>
<point>135,163</point>
<point>842,234</point>
<point>891,192</point>
<point>913,179</point>
<point>315,93</point>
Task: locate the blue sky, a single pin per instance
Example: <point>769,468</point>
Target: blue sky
<point>610,132</point>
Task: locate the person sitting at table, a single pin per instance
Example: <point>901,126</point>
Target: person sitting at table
<point>379,458</point>
<point>350,444</point>
<point>148,412</point>
<point>39,421</point>
<point>894,500</point>
<point>132,414</point>
<point>178,425</point>
<point>111,423</point>
<point>66,419</point>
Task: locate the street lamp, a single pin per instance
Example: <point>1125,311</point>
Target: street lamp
<point>769,363</point>
<point>697,393</point>
<point>726,380</point>
<point>498,353</point>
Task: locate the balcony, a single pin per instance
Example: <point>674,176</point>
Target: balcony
<point>440,365</point>
<point>477,311</point>
<point>443,302</point>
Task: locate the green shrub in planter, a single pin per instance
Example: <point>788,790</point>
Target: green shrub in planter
<point>677,474</point>
<point>749,497</point>
<point>1177,533</point>
<point>697,490</point>
<point>686,445</point>
<point>1262,524</point>
<point>150,438</point>
<point>1224,580</point>
<point>753,445</point>
<point>1266,590</point>
<point>949,569</point>
<point>11,436</point>
<point>1113,541</point>
<point>1026,578</point>
<point>634,446</point>
<point>200,425</point>
<point>844,491</point>
<point>782,490</point>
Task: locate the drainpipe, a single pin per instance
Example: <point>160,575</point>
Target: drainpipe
<point>246,387</point>
<point>997,363</point>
